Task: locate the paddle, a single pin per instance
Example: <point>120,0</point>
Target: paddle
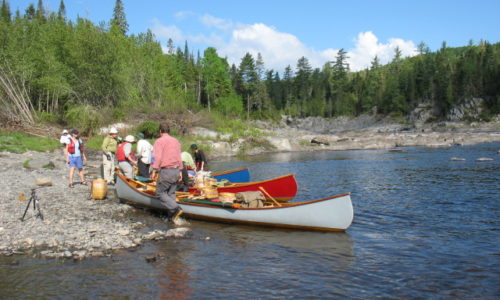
<point>267,194</point>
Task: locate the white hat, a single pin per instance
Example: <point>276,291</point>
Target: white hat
<point>65,131</point>
<point>130,138</point>
<point>113,130</point>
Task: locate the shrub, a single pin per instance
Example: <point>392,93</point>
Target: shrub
<point>150,129</point>
<point>85,118</point>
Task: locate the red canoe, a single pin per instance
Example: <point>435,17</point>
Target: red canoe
<point>283,188</point>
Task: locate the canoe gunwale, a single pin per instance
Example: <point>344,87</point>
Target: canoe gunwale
<point>283,205</point>
<point>129,191</point>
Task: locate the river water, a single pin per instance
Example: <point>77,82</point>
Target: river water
<point>424,227</point>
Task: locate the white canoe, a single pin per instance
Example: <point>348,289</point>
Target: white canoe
<point>328,214</point>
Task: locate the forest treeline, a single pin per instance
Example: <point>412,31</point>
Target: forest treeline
<point>62,70</point>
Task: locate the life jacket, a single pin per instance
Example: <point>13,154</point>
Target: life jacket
<point>71,146</point>
<point>120,152</point>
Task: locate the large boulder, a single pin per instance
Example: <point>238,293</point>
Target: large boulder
<point>281,144</point>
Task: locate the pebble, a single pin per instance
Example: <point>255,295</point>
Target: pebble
<point>73,226</point>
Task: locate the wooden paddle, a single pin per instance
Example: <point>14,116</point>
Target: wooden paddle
<point>267,194</point>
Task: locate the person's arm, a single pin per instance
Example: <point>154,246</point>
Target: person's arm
<point>82,149</point>
<point>66,153</point>
<point>105,144</point>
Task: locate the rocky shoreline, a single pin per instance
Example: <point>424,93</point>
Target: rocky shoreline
<point>75,226</point>
<point>362,133</point>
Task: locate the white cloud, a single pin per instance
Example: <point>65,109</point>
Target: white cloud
<point>163,33</point>
<point>280,49</point>
<point>368,46</point>
<point>221,24</point>
<point>181,15</point>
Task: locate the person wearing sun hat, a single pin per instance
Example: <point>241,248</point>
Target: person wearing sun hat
<point>109,146</point>
<point>144,150</point>
<point>64,140</point>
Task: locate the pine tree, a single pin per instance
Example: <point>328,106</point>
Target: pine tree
<point>30,12</point>
<point>5,12</point>
<point>40,12</point>
<point>119,21</point>
<point>61,13</point>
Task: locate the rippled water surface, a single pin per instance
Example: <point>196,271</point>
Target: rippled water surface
<point>424,227</point>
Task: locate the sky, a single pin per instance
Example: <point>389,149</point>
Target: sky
<point>283,31</point>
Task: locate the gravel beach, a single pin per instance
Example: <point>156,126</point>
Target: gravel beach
<point>73,225</point>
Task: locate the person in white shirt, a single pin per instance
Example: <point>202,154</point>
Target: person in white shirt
<point>65,137</point>
<point>144,151</point>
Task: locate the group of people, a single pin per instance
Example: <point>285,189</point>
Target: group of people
<point>163,162</point>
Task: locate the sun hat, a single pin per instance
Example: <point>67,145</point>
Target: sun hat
<point>113,130</point>
<point>194,147</point>
<point>74,131</point>
<point>130,138</point>
<point>65,131</point>
<point>140,135</point>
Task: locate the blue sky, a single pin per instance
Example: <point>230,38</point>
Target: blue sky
<point>283,31</point>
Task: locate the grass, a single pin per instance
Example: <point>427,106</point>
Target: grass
<point>19,142</point>
<point>26,163</point>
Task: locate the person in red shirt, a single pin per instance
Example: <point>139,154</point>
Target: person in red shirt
<point>168,165</point>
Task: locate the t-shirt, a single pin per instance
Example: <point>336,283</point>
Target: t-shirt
<point>187,160</point>
<point>64,139</point>
<point>144,149</point>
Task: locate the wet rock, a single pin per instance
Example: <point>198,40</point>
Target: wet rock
<point>457,159</point>
<point>155,235</point>
<point>179,232</point>
<point>320,140</point>
<point>150,259</point>
<point>484,159</point>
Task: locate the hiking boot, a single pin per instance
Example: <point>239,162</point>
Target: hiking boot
<point>177,214</point>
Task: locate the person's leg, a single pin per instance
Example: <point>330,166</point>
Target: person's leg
<point>107,171</point>
<point>71,172</point>
<point>185,180</point>
<point>126,168</point>
<point>165,189</point>
<point>143,169</point>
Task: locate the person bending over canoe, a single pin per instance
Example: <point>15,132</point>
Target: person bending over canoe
<point>199,158</point>
<point>168,164</point>
<point>125,156</point>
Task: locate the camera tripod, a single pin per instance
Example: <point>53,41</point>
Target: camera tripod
<point>36,205</point>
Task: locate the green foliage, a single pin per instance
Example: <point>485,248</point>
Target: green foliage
<point>255,142</point>
<point>95,142</point>
<point>65,64</point>
<point>231,105</point>
<point>236,128</point>
<point>85,118</point>
<point>150,129</point>
<point>18,142</point>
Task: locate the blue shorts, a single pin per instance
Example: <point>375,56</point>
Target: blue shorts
<point>76,161</point>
